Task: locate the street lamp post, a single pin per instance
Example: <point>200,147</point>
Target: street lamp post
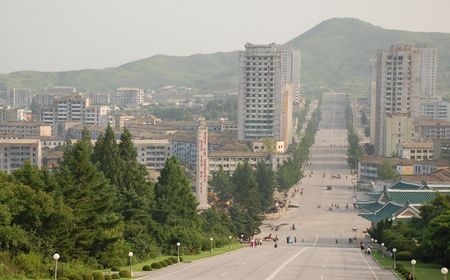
<point>242,239</point>
<point>130,254</point>
<point>394,251</point>
<point>382,246</point>
<point>210,247</point>
<point>56,258</point>
<point>229,242</point>
<point>413,262</point>
<point>178,251</point>
<point>444,271</point>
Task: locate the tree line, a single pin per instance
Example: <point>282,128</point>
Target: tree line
<point>96,207</point>
<point>354,152</point>
<point>291,171</point>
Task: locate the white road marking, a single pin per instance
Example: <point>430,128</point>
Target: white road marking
<point>280,268</point>
<point>368,265</point>
<point>224,274</point>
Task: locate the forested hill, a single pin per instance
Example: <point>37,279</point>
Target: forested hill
<point>335,58</point>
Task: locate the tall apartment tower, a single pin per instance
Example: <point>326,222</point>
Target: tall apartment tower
<point>202,165</point>
<point>405,77</point>
<point>372,84</point>
<point>18,98</point>
<point>291,69</point>
<point>264,93</point>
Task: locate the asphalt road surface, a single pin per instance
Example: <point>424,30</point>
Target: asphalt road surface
<point>322,250</point>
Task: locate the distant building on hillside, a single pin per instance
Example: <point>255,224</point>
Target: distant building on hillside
<point>128,97</point>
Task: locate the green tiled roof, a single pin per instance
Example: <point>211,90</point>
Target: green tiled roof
<point>413,197</point>
<point>370,206</point>
<point>400,185</point>
<point>374,195</point>
<point>386,212</point>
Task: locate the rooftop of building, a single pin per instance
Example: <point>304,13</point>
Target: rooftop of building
<point>239,154</point>
<point>19,141</point>
<point>433,122</point>
<point>23,124</point>
<point>416,145</point>
<point>392,160</point>
<point>438,177</point>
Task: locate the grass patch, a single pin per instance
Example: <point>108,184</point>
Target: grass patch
<point>186,258</point>
<point>423,271</point>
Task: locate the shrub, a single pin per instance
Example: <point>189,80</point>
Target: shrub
<point>173,259</point>
<point>32,264</point>
<point>125,274</point>
<point>75,277</point>
<point>63,278</point>
<point>98,276</point>
<point>156,265</point>
<point>88,276</point>
<point>404,256</point>
<point>115,268</point>
<point>146,268</point>
<point>163,263</point>
<point>181,259</point>
<point>169,261</point>
<point>108,277</point>
<point>115,276</point>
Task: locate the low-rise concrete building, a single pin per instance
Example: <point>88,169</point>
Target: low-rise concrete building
<point>426,167</point>
<point>25,129</point>
<point>153,153</point>
<point>415,150</point>
<point>368,167</point>
<point>14,153</point>
<point>229,160</point>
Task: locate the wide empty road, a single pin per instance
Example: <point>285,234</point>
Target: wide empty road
<point>322,250</point>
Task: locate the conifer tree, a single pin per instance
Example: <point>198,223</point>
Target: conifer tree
<point>97,228</point>
<point>106,156</point>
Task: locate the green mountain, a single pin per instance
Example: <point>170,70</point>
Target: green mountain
<point>335,57</point>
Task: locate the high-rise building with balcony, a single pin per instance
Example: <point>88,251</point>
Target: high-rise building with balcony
<point>18,98</point>
<point>405,77</point>
<point>265,93</point>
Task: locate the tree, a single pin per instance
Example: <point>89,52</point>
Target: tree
<point>174,202</point>
<point>288,175</point>
<point>106,156</point>
<point>437,238</point>
<point>222,185</point>
<point>386,171</point>
<point>97,227</point>
<point>265,180</point>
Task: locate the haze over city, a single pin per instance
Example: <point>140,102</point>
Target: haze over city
<point>50,35</point>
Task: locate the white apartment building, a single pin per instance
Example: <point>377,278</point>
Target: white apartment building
<point>262,93</point>
<point>433,129</point>
<point>128,97</point>
<point>153,153</point>
<point>18,98</point>
<point>415,150</point>
<point>229,160</point>
<point>25,129</point>
<point>405,77</point>
<point>14,153</point>
<point>76,108</point>
<point>291,62</point>
<point>96,115</point>
<point>438,110</point>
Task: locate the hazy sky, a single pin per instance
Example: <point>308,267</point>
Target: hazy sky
<point>76,34</point>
